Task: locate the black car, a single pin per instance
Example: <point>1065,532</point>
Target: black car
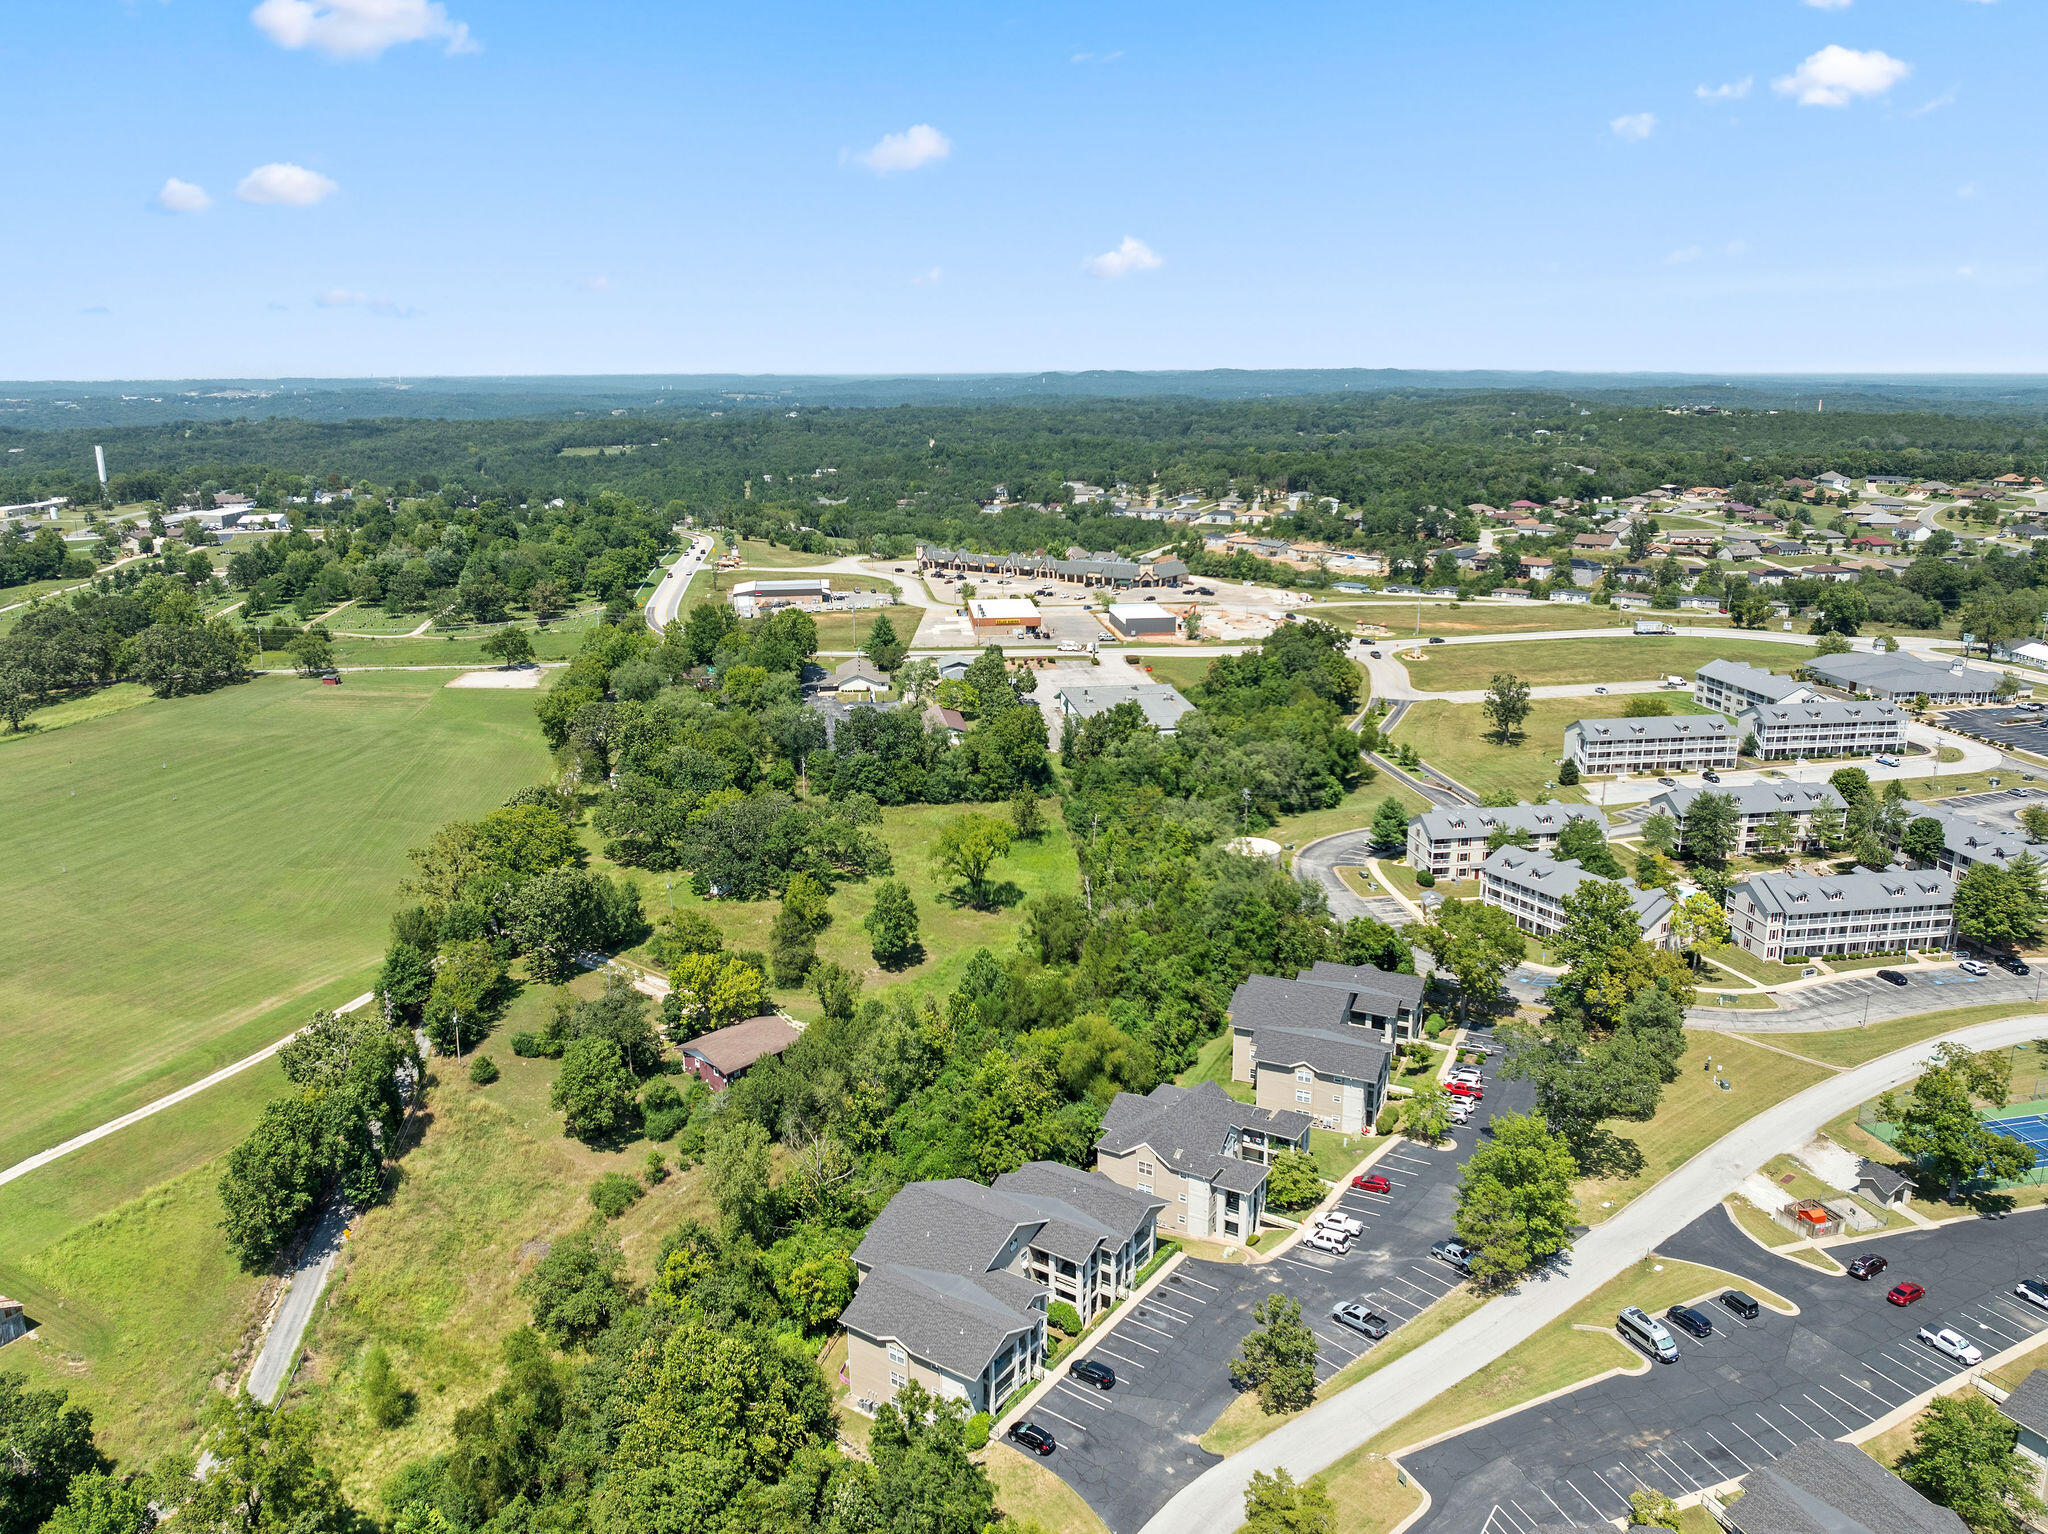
<point>1738,1303</point>
<point>1891,977</point>
<point>1869,1265</point>
<point>1377,656</point>
<point>1101,1376</point>
<point>1711,776</point>
<point>2015,964</point>
<point>1685,1318</point>
<point>1032,1437</point>
<point>1436,639</point>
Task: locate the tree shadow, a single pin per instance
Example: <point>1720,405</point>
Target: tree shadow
<point>995,897</point>
<point>910,958</point>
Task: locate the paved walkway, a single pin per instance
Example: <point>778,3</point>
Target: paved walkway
<point>79,1142</point>
<point>1214,1503</point>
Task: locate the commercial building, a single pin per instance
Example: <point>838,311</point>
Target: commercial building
<point>1728,687</point>
<point>1141,620</point>
<point>1452,843</point>
<point>1906,676</point>
<point>1779,915</point>
<point>998,618</point>
<point>1079,568</point>
<point>751,597</point>
<point>1532,888</point>
<point>1201,1151</point>
<point>1823,727</point>
<point>955,1279</point>
<point>1756,805</point>
<point>1163,704</point>
<point>1684,743</point>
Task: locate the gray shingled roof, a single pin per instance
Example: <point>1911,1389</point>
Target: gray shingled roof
<point>1825,1487</point>
<point>1187,1127</point>
<point>1559,877</point>
<point>1163,704</point>
<point>1325,1052</point>
<point>1800,894</point>
<point>1120,1210</point>
<point>2028,1405</point>
<point>1885,1181</point>
<point>1755,798</point>
<point>1899,674</point>
<point>1537,819</point>
<point>941,1318</point>
<point>1266,1001</point>
<point>1819,711</point>
<point>1369,979</point>
<point>1979,841</point>
<point>1670,727</point>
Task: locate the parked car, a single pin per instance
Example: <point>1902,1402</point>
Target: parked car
<point>1687,1319</point>
<point>1669,782</point>
<point>1711,776</point>
<point>1891,977</point>
<point>1905,1294</point>
<point>1101,1376</point>
<point>2016,965</point>
<point>1869,1265</point>
<point>1974,967</point>
<point>2034,1291</point>
<point>1468,1074</point>
<point>1465,1089</point>
<point>1354,1314</point>
<point>1070,647</point>
<point>1454,1254</point>
<point>1461,1111</point>
<point>1738,1303</point>
<point>1342,1223</point>
<point>1372,1182</point>
<point>1031,1436</point>
<point>1323,1239</point>
<point>1887,761</point>
<point>1953,1344</point>
<point>1377,656</point>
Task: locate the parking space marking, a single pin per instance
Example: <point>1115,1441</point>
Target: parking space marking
<point>1128,1362</point>
<point>1746,1433</point>
<point>1134,1321</point>
<point>1874,1395</point>
<point>1154,1302</point>
<point>1912,1367</point>
<point>1547,1497</point>
<point>1817,1385</point>
<point>2004,1330</point>
<point>1683,1479</point>
<point>1522,1510</point>
<point>1726,1450</point>
<point>1849,1426</point>
<point>1084,1400</point>
<point>1334,1343</point>
<point>1182,1278</point>
<point>2031,1319</point>
<point>1767,1422</point>
<point>1070,1422</point>
<point>1574,1485</point>
<point>1873,1368</point>
<point>1718,1473</point>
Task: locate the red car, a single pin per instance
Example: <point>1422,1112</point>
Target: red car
<point>1905,1294</point>
<point>1464,1089</point>
<point>1373,1184</point>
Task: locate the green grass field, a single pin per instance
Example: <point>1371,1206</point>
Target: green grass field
<point>1456,739</point>
<point>180,870</point>
<point>1502,618</point>
<point>1624,658</point>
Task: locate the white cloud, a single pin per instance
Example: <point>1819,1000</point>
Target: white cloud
<point>1096,58</point>
<point>285,184</point>
<point>1945,99</point>
<point>183,197</point>
<point>1634,125</point>
<point>1836,76</point>
<point>595,284</point>
<point>1682,257</point>
<point>1134,255</point>
<point>914,147</point>
<point>360,29</point>
<point>1734,90</point>
<point>345,298</point>
<point>1829,5</point>
<point>926,279</point>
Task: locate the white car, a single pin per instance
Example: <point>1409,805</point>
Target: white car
<point>1324,1239</point>
<point>2033,1291</point>
<point>1952,1343</point>
<point>1887,761</point>
<point>1973,967</point>
<point>1070,647</point>
<point>1341,1223</point>
<point>1460,1112</point>
<point>1466,1073</point>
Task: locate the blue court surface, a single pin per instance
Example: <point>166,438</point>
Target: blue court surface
<point>2029,1129</point>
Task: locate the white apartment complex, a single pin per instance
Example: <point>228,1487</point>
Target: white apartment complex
<point>1781,916</point>
<point>1686,743</point>
<point>1824,727</point>
<point>1531,888</point>
<point>1756,804</point>
<point>1729,687</point>
<point>1452,843</point>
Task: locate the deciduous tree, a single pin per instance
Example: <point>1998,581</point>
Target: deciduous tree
<point>1277,1357</point>
<point>1963,1458</point>
<point>1506,704</point>
<point>1515,1205</point>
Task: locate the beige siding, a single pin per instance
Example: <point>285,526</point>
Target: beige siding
<point>1240,1054</point>
<point>1343,1102</point>
<point>1127,1171</point>
<point>872,1376</point>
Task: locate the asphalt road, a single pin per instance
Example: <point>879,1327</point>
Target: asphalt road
<point>665,604</point>
<point>1318,861</point>
<point>1847,1002</point>
<point>1745,1395</point>
<point>273,1365</point>
<point>1128,1450</point>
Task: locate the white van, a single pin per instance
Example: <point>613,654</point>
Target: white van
<point>1647,1333</point>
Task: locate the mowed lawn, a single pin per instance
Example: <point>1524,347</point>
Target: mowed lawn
<point>1624,658</point>
<point>181,870</point>
<point>1503,618</point>
<point>1457,738</point>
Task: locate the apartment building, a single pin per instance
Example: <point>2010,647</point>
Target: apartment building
<point>1452,843</point>
<point>1685,743</point>
<point>1779,916</point>
<point>955,1278</point>
<point>1729,687</point>
<point>1203,1153</point>
<point>1315,1046</point>
<point>1967,841</point>
<point>1756,804</point>
<point>1823,727</point>
<point>1532,888</point>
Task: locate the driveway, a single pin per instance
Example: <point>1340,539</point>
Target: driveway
<point>1128,1450</point>
<point>1745,1395</point>
<point>1318,861</point>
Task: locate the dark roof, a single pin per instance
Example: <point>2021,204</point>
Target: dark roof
<point>943,1318</point>
<point>1117,1208</point>
<point>1825,1487</point>
<point>1266,1001</point>
<point>2028,1405</point>
<point>1370,979</point>
<point>739,1046</point>
<point>1351,1054</point>
<point>1885,1182</point>
<point>1187,1128</point>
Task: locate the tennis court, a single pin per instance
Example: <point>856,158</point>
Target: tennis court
<point>2030,1129</point>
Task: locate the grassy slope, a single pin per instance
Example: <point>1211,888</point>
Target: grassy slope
<point>1623,658</point>
<point>1030,1494</point>
<point>182,869</point>
<point>1442,618</point>
<point>1456,738</point>
<point>1852,1046</point>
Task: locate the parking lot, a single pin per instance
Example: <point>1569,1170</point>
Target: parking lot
<point>1127,1451</point>
<point>1855,999</point>
<point>2021,729</point>
<point>1751,1391</point>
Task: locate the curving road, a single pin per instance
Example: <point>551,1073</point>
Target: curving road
<point>666,601</point>
<point>1214,1502</point>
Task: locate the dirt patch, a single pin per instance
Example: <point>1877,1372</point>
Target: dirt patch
<point>1831,1163</point>
<point>526,676</point>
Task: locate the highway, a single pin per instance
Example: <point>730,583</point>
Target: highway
<point>665,605</point>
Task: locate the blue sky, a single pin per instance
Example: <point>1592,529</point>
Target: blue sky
<point>353,187</point>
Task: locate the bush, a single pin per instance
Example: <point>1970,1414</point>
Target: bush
<point>1063,1317</point>
<point>657,1169</point>
<point>483,1070</point>
<point>387,1402</point>
<point>978,1427</point>
<point>528,1046</point>
<point>1425,878</point>
<point>662,1123</point>
<point>1434,1025</point>
<point>614,1193</point>
<point>1567,773</point>
<point>1255,1238</point>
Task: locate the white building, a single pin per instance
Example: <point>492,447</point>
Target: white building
<point>1452,843</point>
<point>1824,727</point>
<point>1967,841</point>
<point>1780,916</point>
<point>1905,676</point>
<point>1531,888</point>
<point>1756,804</point>
<point>1728,687</point>
<point>1684,743</point>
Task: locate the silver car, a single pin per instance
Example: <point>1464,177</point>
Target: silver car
<point>1354,1314</point>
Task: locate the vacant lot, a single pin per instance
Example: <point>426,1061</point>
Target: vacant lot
<point>1624,658</point>
<point>178,870</point>
<point>1520,618</point>
<point>1456,739</point>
